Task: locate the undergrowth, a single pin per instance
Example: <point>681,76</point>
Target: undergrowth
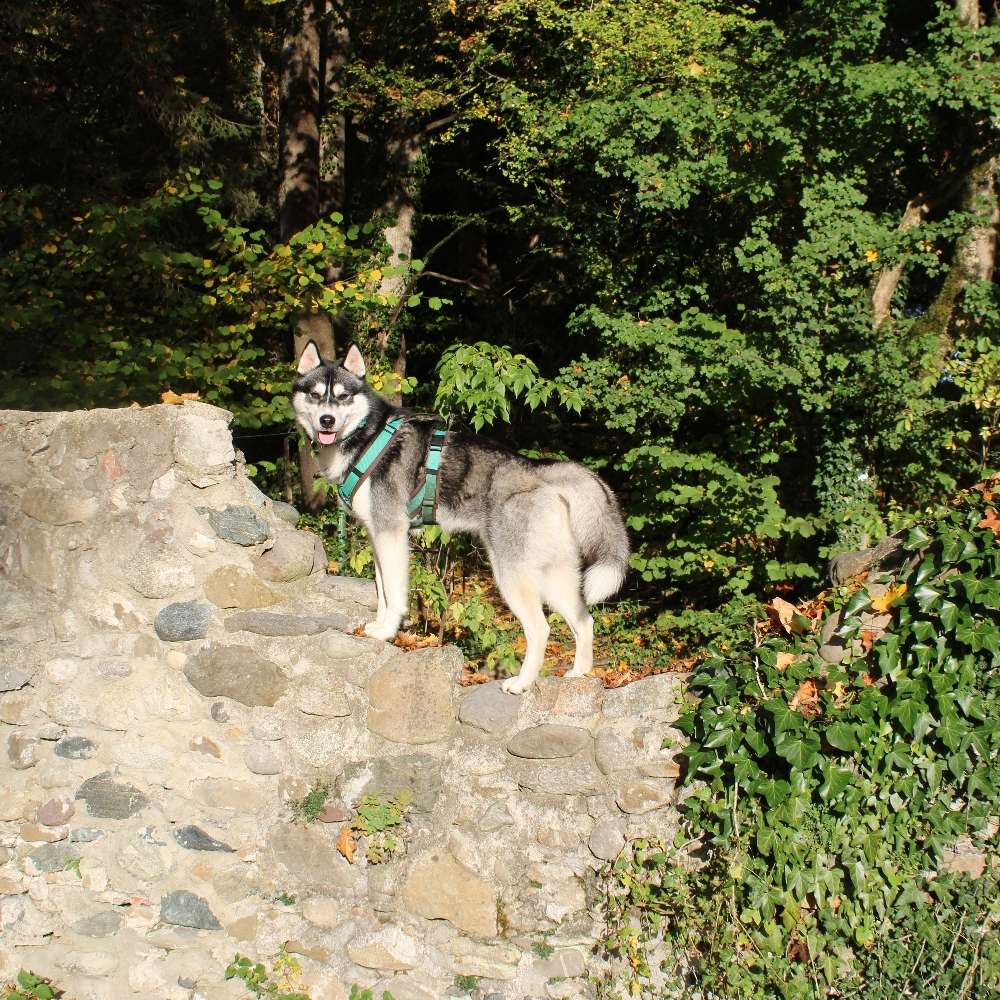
<point>821,800</point>
<point>30,986</point>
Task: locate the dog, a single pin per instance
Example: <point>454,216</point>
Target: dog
<point>552,530</point>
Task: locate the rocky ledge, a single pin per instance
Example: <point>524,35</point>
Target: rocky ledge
<point>177,674</point>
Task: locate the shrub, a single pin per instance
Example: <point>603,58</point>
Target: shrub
<point>823,797</point>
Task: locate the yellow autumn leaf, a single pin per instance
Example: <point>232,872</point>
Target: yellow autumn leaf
<point>376,275</point>
<point>871,256</point>
<point>314,247</point>
<point>50,248</point>
<point>888,599</point>
<point>176,399</point>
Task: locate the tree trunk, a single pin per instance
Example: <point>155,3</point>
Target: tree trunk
<point>335,42</point>
<point>888,279</point>
<point>299,118</point>
<point>403,149</point>
<point>975,252</point>
<point>967,13</point>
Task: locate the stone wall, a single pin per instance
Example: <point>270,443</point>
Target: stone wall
<point>176,668</point>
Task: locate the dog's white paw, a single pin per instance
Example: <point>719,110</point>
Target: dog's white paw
<point>578,673</point>
<point>375,630</point>
<point>515,685</point>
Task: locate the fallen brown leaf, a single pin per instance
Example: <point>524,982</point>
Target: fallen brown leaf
<point>806,699</point>
<point>346,843</point>
<point>413,640</point>
<point>787,616</point>
<point>991,521</point>
<point>785,660</point>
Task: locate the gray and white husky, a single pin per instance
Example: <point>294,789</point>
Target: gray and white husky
<point>552,530</point>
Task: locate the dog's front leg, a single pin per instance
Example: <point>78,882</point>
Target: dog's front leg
<point>392,564</point>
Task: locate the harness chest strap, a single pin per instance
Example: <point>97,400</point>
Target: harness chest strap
<point>422,507</point>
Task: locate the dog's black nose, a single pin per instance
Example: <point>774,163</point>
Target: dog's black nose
<point>326,421</point>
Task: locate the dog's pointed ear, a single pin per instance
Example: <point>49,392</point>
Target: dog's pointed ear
<point>309,359</point>
<point>354,363</point>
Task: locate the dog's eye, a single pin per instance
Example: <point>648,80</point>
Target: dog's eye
<point>315,395</point>
<point>345,399</point>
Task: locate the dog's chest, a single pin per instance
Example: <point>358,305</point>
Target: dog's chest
<point>333,463</point>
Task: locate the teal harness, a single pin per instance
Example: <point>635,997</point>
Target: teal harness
<point>422,506</point>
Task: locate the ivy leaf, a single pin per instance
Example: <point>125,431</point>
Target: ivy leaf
<point>801,751</point>
<point>836,780</point>
<point>949,615</point>
<point>774,791</point>
<point>909,711</point>
<point>926,596</point>
<point>922,725</point>
<point>950,730</point>
<point>842,736</point>
<point>784,717</point>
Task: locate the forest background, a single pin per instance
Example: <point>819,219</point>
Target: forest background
<point>736,257</point>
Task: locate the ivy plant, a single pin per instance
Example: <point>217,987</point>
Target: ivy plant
<point>825,795</point>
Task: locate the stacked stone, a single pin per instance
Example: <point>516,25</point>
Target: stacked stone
<point>176,669</point>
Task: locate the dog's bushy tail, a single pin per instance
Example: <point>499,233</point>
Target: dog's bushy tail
<point>596,523</point>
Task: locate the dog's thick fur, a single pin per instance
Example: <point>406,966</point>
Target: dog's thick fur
<point>552,530</point>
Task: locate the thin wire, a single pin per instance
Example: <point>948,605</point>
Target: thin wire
<point>242,437</point>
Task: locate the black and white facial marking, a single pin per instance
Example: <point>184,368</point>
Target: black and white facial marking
<point>329,399</point>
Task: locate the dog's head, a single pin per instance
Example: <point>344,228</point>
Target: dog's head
<point>330,400</point>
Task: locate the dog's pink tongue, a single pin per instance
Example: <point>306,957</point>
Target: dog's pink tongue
<point>326,437</point>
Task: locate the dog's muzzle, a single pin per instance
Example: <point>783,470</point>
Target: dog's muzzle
<point>326,434</point>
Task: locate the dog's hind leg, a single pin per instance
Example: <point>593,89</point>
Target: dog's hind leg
<point>563,593</point>
<point>392,559</point>
<point>524,600</point>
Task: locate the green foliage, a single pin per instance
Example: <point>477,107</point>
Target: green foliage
<point>32,987</point>
<point>167,294</point>
<point>669,213</point>
<point>308,808</point>
<point>359,994</point>
<point>482,635</point>
<point>382,822</point>
<point>824,796</point>
<point>478,381</point>
<point>466,983</point>
<point>281,984</point>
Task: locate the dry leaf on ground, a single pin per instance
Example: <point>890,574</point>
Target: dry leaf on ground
<point>785,660</point>
<point>806,699</point>
<point>176,399</point>
<point>787,616</point>
<point>991,521</point>
<point>346,843</point>
<point>412,640</point>
<point>888,599</point>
